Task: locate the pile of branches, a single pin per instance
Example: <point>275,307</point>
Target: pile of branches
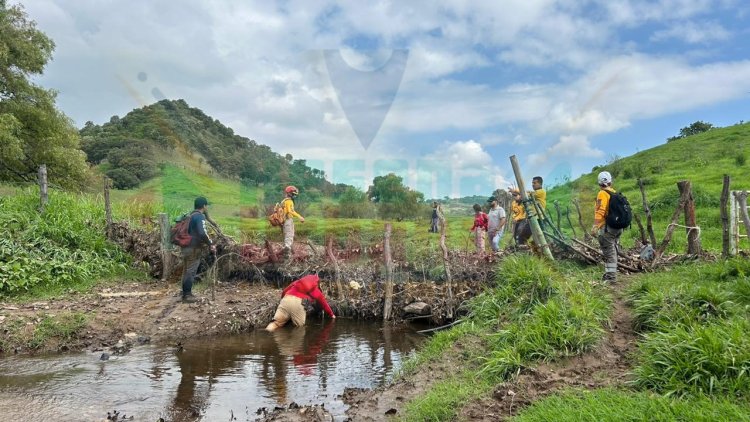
<point>141,243</point>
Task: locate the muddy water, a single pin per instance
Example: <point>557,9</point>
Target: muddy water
<point>211,379</point>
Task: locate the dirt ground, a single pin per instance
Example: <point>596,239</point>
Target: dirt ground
<point>136,313</point>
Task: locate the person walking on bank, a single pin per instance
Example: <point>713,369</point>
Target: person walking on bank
<point>435,218</point>
<point>291,306</point>
<point>495,224</point>
<point>479,228</point>
<point>607,235</point>
<point>191,255</point>
<point>287,204</point>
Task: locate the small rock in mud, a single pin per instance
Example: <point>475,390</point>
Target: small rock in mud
<point>104,356</point>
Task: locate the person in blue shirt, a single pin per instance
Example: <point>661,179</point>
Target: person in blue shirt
<point>191,255</point>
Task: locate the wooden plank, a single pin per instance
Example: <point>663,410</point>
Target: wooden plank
<point>130,294</point>
<point>725,233</point>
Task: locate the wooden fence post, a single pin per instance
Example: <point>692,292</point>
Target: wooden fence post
<point>694,240</point>
<point>647,210</point>
<point>336,270</point>
<point>742,201</point>
<point>388,303</point>
<point>446,263</point>
<point>536,230</point>
<point>107,206</point>
<point>166,246</point>
<point>586,235</point>
<point>43,198</point>
<point>668,236</point>
<point>570,223</point>
<point>725,250</point>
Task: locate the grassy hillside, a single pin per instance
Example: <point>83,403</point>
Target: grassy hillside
<point>133,149</point>
<point>702,159</point>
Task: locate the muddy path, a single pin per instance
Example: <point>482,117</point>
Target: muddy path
<point>607,365</point>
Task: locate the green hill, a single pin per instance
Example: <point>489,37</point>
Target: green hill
<point>703,159</point>
<point>135,148</point>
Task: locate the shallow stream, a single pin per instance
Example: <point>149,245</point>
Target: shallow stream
<point>207,379</point>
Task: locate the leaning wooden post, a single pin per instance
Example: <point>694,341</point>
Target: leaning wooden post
<point>570,223</point>
<point>388,303</point>
<point>693,234</point>
<point>586,235</point>
<point>640,228</point>
<point>107,207</point>
<point>559,216</point>
<point>446,264</point>
<point>536,231</point>
<point>166,246</point>
<point>725,218</point>
<point>43,198</point>
<point>742,200</point>
<point>647,210</point>
<point>668,236</point>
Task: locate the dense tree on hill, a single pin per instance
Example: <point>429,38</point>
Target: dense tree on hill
<point>172,125</point>
<point>32,130</point>
<point>393,198</point>
<point>694,129</point>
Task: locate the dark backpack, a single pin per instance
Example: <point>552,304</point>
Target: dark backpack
<point>620,215</point>
<point>180,233</point>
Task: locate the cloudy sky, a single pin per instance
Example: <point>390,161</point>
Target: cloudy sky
<point>441,93</point>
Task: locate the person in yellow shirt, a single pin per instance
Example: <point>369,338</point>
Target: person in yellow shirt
<point>520,224</point>
<point>608,236</point>
<point>287,204</point>
<point>539,194</point>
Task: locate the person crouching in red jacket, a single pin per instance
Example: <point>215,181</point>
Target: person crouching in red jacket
<point>291,306</point>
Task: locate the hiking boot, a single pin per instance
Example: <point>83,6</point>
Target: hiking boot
<point>189,298</point>
<point>609,277</point>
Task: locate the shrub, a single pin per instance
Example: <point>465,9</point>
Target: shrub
<point>64,246</point>
<point>740,158</point>
<point>695,359</point>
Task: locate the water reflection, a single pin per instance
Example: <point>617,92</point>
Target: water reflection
<point>207,379</point>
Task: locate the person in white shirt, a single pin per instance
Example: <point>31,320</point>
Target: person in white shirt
<point>496,224</point>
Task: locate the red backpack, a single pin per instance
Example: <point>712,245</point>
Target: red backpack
<point>179,235</point>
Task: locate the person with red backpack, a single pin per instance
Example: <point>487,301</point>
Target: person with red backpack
<point>291,306</point>
<point>192,253</point>
<point>290,192</point>
<point>481,222</point>
<point>611,217</point>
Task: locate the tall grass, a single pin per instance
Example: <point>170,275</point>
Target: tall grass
<point>615,405</point>
<point>697,334</point>
<point>534,313</point>
<point>61,247</point>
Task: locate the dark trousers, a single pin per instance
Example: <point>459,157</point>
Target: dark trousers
<point>192,259</point>
<point>522,232</point>
<point>434,226</point>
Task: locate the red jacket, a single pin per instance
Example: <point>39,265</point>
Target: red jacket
<point>480,220</point>
<point>307,288</point>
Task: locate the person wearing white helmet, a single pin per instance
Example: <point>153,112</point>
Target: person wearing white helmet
<point>608,236</point>
<point>290,192</point>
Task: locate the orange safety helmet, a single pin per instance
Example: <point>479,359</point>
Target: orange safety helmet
<point>291,190</point>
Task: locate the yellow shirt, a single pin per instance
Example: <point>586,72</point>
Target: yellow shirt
<point>602,207</point>
<point>541,197</point>
<point>288,206</point>
<point>519,213</point>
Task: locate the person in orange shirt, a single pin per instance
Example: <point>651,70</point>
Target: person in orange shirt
<point>290,193</point>
<point>291,306</point>
<point>608,236</point>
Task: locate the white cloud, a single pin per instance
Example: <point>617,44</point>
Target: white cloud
<point>693,33</point>
<point>468,161</point>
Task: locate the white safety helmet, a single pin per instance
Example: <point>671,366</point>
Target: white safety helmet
<point>604,178</point>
